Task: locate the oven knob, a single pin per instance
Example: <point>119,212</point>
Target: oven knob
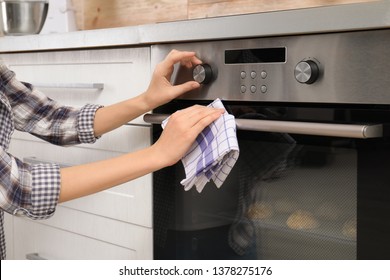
<point>202,73</point>
<point>306,72</point>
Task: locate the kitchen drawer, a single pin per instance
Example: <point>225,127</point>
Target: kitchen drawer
<point>75,78</point>
<point>130,202</point>
<point>124,139</point>
<point>76,235</point>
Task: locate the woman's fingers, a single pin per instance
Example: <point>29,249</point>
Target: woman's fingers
<point>186,58</point>
<point>190,116</point>
<point>206,120</point>
<point>178,90</point>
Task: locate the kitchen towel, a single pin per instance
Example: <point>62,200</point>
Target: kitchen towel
<point>213,154</point>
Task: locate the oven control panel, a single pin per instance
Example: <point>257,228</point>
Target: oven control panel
<point>251,83</point>
<point>313,68</point>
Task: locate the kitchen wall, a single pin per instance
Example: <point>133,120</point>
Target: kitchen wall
<point>96,14</point>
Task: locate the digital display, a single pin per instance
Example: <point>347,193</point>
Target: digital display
<point>266,55</point>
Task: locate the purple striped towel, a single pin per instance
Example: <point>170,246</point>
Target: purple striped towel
<point>213,154</point>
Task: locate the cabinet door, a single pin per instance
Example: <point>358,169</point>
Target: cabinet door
<point>130,202</point>
<point>113,224</point>
<point>76,78</point>
<point>85,236</point>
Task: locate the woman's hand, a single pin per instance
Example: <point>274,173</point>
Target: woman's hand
<point>181,131</point>
<point>160,90</point>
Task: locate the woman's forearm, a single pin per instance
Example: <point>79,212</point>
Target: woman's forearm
<point>111,117</point>
<point>82,180</point>
<point>176,139</point>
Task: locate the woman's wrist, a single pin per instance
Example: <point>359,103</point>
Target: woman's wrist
<point>161,159</point>
<point>139,103</point>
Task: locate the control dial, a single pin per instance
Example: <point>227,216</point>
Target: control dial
<point>306,71</point>
<point>202,73</point>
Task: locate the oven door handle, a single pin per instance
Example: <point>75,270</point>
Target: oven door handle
<point>308,128</point>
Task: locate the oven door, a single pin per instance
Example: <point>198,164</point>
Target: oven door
<point>301,189</point>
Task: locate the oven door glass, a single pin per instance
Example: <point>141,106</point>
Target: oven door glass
<point>289,196</point>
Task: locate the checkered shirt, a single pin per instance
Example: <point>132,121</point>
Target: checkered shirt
<point>26,189</point>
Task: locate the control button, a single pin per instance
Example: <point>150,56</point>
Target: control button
<point>243,89</point>
<point>253,74</point>
<point>263,88</point>
<point>306,72</point>
<point>202,73</point>
<point>263,74</point>
<point>253,89</point>
<point>243,74</point>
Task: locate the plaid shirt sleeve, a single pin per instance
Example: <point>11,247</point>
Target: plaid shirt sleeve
<point>33,189</point>
<point>43,117</point>
<point>30,190</point>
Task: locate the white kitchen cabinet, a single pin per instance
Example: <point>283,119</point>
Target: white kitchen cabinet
<point>113,224</point>
<point>75,78</point>
<point>78,235</point>
<point>130,202</point>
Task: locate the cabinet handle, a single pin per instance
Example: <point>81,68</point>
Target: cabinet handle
<point>98,86</point>
<point>34,160</point>
<point>307,128</point>
<point>34,256</point>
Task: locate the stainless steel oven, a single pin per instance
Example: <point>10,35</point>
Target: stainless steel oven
<point>313,177</point>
